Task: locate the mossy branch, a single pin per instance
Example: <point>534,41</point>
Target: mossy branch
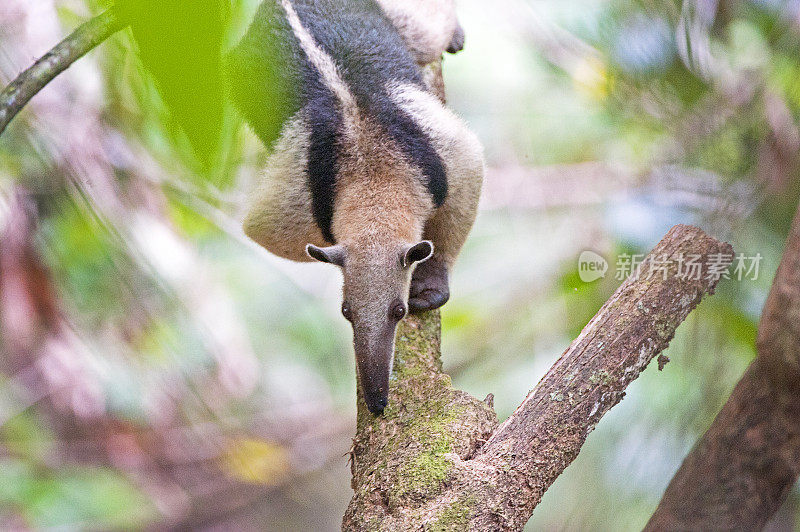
<point>438,460</point>
<point>28,84</point>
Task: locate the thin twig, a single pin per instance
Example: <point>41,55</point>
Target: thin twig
<point>20,91</point>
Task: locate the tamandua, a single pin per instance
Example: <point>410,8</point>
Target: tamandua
<point>368,170</point>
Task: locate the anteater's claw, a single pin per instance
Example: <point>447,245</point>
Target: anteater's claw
<point>429,287</point>
<point>427,300</point>
<point>457,44</point>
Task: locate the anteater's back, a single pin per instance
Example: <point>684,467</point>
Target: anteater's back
<point>275,78</point>
<point>324,57</point>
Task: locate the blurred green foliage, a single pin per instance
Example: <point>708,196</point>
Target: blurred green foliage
<point>181,44</point>
<point>73,497</point>
<point>549,83</point>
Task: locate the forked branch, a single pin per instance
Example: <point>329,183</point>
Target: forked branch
<point>438,460</point>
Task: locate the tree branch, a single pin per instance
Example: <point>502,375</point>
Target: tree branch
<point>636,324</point>
<point>437,459</point>
<point>20,91</point>
<point>743,467</point>
<point>778,340</point>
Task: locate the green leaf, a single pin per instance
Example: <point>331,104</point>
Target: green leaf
<point>73,497</point>
<point>26,435</point>
<point>180,43</point>
<point>262,75</point>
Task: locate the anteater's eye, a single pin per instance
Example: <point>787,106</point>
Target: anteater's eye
<point>346,312</point>
<point>398,311</point>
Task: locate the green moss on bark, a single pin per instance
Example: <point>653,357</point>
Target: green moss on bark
<point>455,517</point>
<point>405,458</point>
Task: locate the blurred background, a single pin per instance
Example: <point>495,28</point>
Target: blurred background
<point>158,370</point>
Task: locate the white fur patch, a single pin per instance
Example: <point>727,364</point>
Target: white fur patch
<point>427,26</point>
<point>326,67</point>
<point>426,109</point>
<point>453,140</point>
<point>279,216</point>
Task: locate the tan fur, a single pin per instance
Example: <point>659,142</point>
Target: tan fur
<point>378,192</point>
<point>381,208</point>
<point>380,198</point>
<point>279,216</point>
<point>462,154</point>
<point>427,26</point>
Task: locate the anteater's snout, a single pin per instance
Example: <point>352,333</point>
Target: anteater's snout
<point>374,351</point>
<point>376,390</point>
<point>375,381</point>
<point>376,405</point>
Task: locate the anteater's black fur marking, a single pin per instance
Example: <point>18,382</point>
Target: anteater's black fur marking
<point>323,155</point>
<point>369,53</point>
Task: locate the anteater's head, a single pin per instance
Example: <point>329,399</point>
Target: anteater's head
<point>376,282</point>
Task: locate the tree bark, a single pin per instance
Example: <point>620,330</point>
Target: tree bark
<point>742,469</point>
<point>438,460</point>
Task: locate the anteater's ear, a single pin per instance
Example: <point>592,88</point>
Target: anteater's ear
<point>417,253</point>
<point>331,254</point>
